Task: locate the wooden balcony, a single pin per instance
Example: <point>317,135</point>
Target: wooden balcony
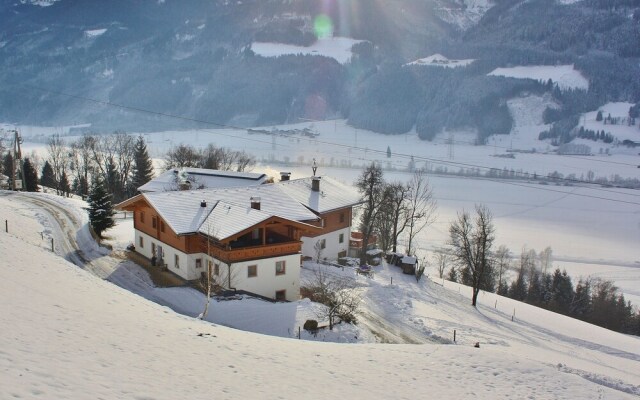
<point>255,252</point>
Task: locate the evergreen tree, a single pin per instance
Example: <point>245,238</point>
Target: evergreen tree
<point>599,116</point>
<point>47,178</point>
<point>64,187</point>
<point>142,168</point>
<point>30,176</point>
<point>7,166</point>
<point>388,152</point>
<point>100,208</point>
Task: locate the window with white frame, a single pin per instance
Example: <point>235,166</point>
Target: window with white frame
<point>280,268</point>
<point>252,271</point>
<point>341,238</point>
<point>141,242</point>
<point>198,262</point>
<point>176,260</point>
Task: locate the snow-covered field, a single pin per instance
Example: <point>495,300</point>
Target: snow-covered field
<point>68,334</point>
<point>585,226</point>
<point>338,48</point>
<point>438,60</point>
<point>565,76</point>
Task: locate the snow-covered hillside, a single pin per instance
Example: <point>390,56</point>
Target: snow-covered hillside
<point>338,48</point>
<point>463,14</point>
<point>70,335</point>
<point>565,76</point>
<point>438,60</point>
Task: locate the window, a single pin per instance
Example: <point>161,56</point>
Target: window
<point>341,238</point>
<point>252,271</point>
<point>176,261</point>
<point>255,235</point>
<point>154,222</point>
<point>216,269</point>
<point>281,295</point>
<point>142,216</point>
<point>323,243</point>
<point>280,268</point>
<point>141,240</point>
<point>162,226</point>
<point>198,262</point>
<point>341,219</point>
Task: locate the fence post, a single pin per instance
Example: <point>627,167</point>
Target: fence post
<point>299,335</point>
<point>6,225</point>
<point>454,336</point>
<point>52,245</point>
<point>514,314</point>
<point>392,281</point>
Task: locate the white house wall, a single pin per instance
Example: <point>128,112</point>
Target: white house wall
<point>187,262</point>
<point>266,283</point>
<point>332,244</point>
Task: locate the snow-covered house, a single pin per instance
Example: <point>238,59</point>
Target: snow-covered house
<point>253,237</point>
<point>199,178</point>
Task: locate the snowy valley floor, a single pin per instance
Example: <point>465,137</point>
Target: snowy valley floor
<point>68,334</point>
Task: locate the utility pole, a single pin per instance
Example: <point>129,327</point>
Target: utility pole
<point>17,155</point>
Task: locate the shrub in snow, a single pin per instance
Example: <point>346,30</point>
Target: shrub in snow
<point>311,325</point>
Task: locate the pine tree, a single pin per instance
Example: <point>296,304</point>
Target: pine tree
<point>599,116</point>
<point>388,152</point>
<point>100,208</point>
<point>143,168</point>
<point>7,166</point>
<point>30,176</point>
<point>64,186</point>
<point>47,178</point>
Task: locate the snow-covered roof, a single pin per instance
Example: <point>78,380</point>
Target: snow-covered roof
<point>292,200</point>
<point>409,260</point>
<point>200,178</point>
<point>184,214</point>
<point>333,195</point>
<point>228,219</point>
<point>181,210</point>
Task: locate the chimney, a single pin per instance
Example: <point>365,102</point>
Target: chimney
<point>315,183</point>
<point>285,176</point>
<point>203,204</point>
<point>255,203</point>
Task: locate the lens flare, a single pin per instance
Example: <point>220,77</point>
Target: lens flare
<point>323,26</point>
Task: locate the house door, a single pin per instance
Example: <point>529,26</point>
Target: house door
<point>159,255</point>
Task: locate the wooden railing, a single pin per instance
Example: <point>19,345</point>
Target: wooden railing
<point>256,252</point>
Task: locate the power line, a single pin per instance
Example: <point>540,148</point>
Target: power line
<point>374,151</point>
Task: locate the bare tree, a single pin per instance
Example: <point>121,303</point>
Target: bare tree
<point>218,275</point>
<point>421,206</point>
<point>546,258</point>
<point>393,215</point>
<point>338,294</point>
<point>503,262</point>
<point>182,156</point>
<point>471,242</point>
<point>58,156</point>
<point>442,259</point>
<point>371,185</point>
<point>84,162</point>
<point>317,250</point>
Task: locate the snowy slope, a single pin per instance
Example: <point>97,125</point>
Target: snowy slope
<point>338,48</point>
<point>438,60</point>
<point>565,76</point>
<point>69,335</point>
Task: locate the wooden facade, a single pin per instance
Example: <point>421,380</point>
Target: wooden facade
<point>332,221</point>
<point>271,238</point>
